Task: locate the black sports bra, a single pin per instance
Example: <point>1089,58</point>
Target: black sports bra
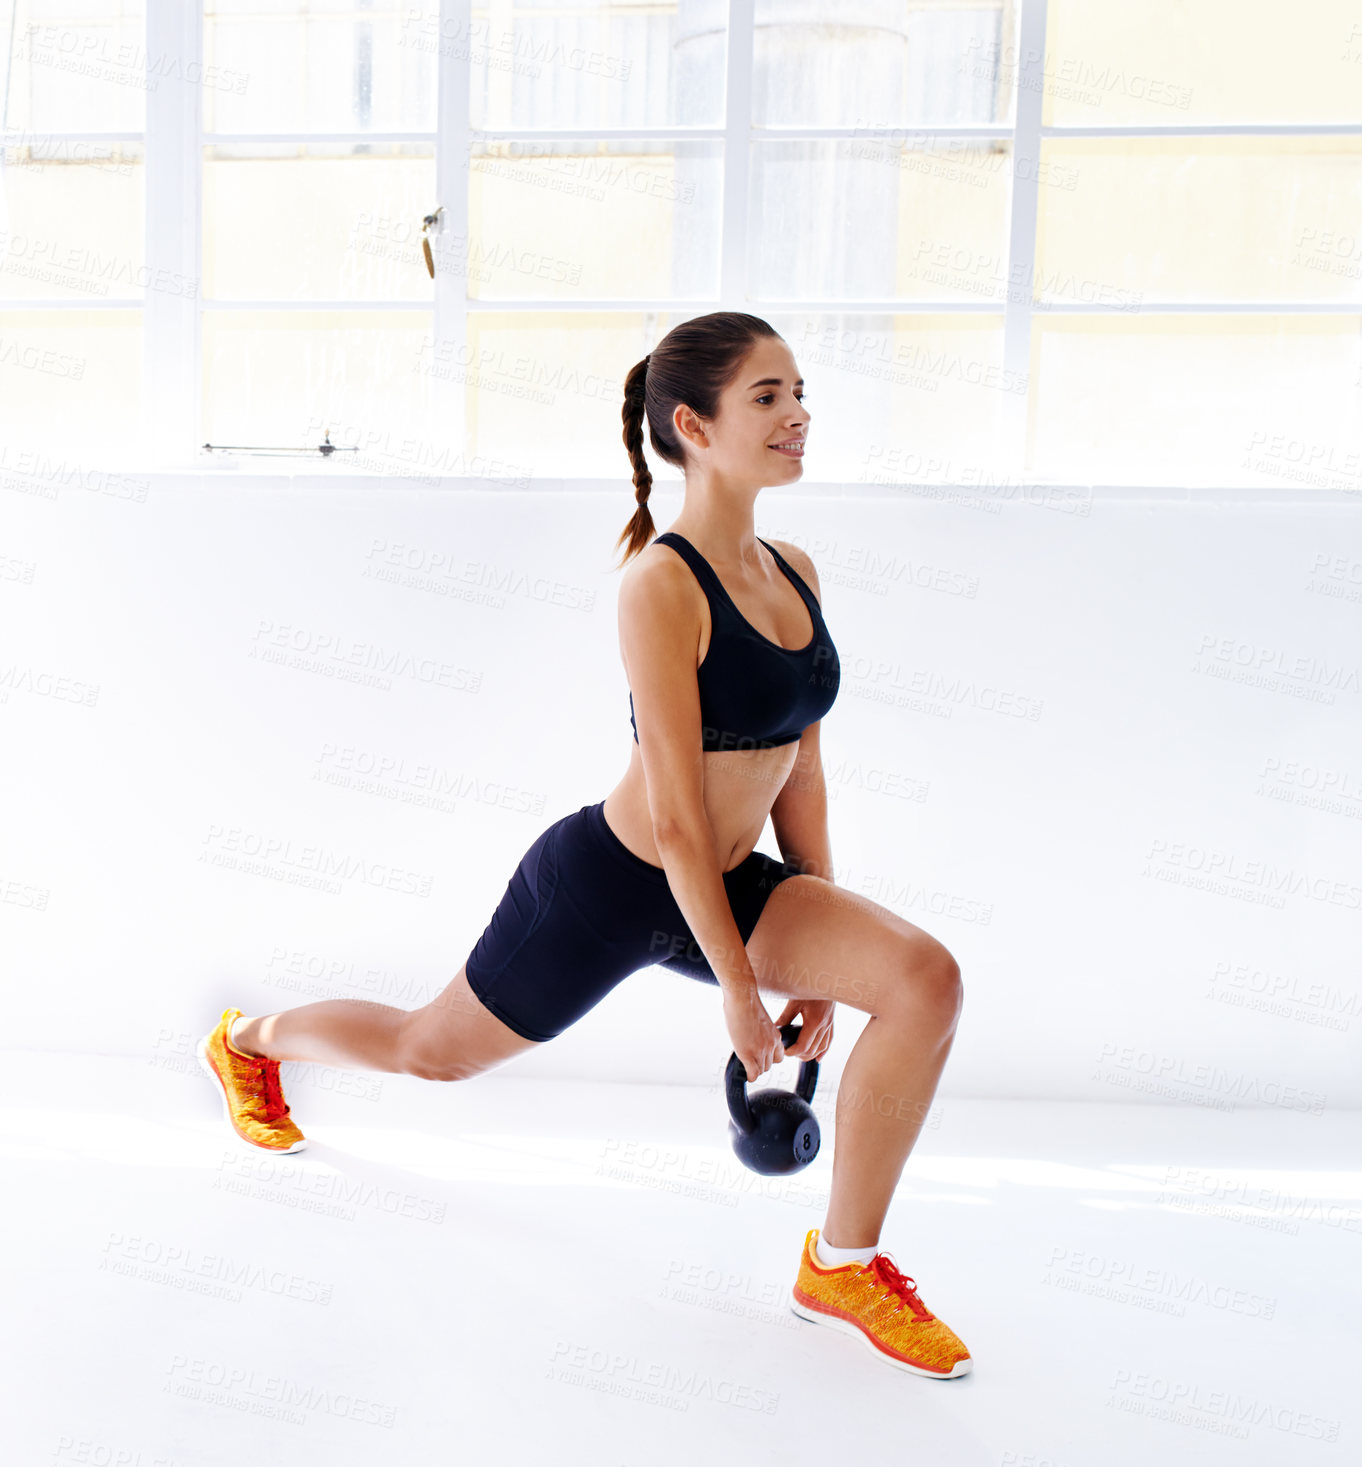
<point>754,693</point>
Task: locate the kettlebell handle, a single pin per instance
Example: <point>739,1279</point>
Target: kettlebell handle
<point>735,1081</point>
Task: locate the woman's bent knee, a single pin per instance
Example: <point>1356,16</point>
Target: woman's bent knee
<point>423,1053</point>
<point>929,988</point>
<point>436,1072</point>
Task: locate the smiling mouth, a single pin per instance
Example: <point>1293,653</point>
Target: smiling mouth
<point>793,449</point>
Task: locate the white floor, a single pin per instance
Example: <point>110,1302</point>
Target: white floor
<point>516,1270</point>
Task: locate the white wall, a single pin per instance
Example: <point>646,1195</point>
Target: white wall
<point>1123,876</point>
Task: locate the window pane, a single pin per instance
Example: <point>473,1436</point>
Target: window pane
<point>821,63</point>
<point>903,398</point>
<point>879,219</point>
<point>891,398</point>
<point>578,66</point>
<point>73,67</point>
<point>593,220</point>
<point>71,381</point>
<point>1250,400</point>
<point>1202,219</point>
<point>290,223</point>
<point>1168,62</point>
<point>284,378</point>
<point>547,390</point>
<point>319,66</point>
<point>71,223</point>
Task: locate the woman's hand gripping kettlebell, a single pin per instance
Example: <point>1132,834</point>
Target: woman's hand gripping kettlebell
<point>756,1039</point>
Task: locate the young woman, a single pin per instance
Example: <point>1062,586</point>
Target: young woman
<point>731,669</point>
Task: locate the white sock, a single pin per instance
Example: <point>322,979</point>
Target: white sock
<point>231,1032</point>
<point>831,1257</point>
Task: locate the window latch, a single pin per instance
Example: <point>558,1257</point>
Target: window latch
<point>428,223</point>
<point>326,448</point>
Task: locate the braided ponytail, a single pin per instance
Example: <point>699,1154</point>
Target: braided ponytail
<point>640,528</point>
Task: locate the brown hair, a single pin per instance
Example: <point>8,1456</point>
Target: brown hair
<point>692,364</point>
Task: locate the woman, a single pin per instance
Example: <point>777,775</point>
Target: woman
<point>730,668</point>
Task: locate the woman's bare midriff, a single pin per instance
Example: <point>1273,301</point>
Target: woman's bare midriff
<point>741,785</point>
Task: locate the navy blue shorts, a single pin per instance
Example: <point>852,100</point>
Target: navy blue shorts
<point>581,912</point>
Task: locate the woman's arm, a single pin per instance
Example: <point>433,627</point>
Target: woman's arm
<point>799,815</point>
<point>659,626</point>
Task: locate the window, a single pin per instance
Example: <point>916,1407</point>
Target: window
<point>73,262</point>
<point>1198,303</point>
<point>1058,241</point>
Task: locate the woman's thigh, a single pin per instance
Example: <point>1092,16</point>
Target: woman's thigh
<point>456,1036</point>
<point>574,921</point>
<point>815,939</point>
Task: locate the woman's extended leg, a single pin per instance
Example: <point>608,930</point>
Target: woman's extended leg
<point>455,1036</point>
<point>817,940</point>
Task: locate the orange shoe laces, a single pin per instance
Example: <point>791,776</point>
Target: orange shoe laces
<point>882,1267</point>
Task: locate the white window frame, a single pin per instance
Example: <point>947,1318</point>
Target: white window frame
<point>174,142</point>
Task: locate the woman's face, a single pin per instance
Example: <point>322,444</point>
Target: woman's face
<point>758,435</point>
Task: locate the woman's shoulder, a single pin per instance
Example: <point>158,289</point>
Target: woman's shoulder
<point>800,561</point>
<point>657,574</point>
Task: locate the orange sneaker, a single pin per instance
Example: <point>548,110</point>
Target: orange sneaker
<point>880,1305</point>
<point>251,1098</point>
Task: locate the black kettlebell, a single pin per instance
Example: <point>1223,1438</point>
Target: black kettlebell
<point>774,1131</point>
